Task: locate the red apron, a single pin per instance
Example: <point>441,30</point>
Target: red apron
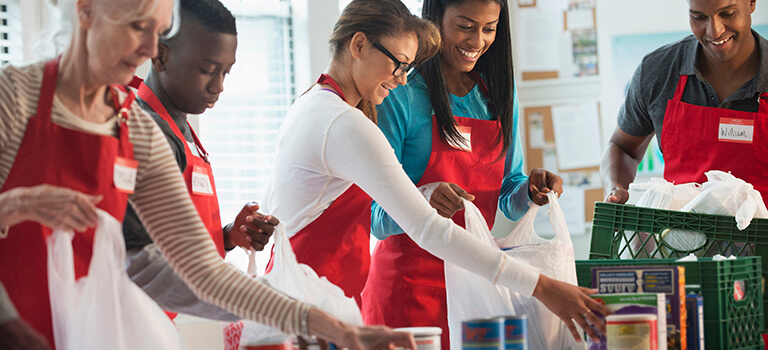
<point>406,287</point>
<point>198,174</point>
<point>337,244</point>
<point>51,154</point>
<point>696,139</point>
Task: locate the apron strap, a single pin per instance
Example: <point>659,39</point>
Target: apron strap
<point>480,82</point>
<point>680,88</point>
<point>327,80</point>
<point>198,144</point>
<point>45,101</point>
<point>763,102</point>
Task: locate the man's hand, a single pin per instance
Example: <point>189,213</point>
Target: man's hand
<point>250,229</point>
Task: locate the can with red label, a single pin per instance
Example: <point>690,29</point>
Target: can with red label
<point>427,338</point>
<point>483,334</point>
<point>516,332</point>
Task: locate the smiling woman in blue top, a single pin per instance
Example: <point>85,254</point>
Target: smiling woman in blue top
<point>454,129</point>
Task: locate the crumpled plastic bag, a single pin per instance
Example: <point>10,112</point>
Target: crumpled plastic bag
<point>105,309</point>
<point>301,282</point>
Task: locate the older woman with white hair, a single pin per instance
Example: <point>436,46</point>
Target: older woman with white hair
<point>72,140</point>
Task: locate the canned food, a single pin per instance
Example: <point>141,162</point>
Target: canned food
<point>516,332</point>
<point>274,343</point>
<point>427,338</point>
<point>483,334</point>
<point>631,332</point>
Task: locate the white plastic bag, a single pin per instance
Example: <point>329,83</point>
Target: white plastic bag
<point>300,282</point>
<point>103,310</point>
<point>555,259</point>
<point>468,295</point>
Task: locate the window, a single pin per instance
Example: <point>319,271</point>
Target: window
<point>11,43</point>
<point>239,132</point>
<point>413,5</point>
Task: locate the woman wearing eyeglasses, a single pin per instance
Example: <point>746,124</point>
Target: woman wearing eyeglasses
<point>454,129</point>
<point>331,159</point>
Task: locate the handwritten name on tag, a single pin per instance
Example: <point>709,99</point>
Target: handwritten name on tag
<point>124,174</point>
<point>201,181</point>
<point>736,130</point>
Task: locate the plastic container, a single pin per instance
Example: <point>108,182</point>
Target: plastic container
<point>427,338</point>
<point>615,224</point>
<point>728,323</point>
<point>631,332</point>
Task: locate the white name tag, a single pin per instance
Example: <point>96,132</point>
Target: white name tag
<point>201,181</point>
<point>466,133</point>
<point>124,174</point>
<point>736,130</point>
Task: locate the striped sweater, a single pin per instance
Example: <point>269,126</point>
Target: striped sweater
<point>160,199</point>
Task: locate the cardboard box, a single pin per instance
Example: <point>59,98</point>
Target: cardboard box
<point>669,280</point>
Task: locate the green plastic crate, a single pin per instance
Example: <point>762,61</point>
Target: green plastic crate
<point>728,323</point>
<point>614,225</point>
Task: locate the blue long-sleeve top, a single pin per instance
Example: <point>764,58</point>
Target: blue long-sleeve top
<point>405,117</point>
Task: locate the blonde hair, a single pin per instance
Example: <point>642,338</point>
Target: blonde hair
<point>60,28</point>
<point>382,18</point>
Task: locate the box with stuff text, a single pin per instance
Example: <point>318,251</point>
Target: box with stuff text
<point>669,280</point>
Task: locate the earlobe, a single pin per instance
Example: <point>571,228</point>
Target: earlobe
<point>159,61</point>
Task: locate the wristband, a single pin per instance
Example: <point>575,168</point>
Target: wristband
<point>304,320</point>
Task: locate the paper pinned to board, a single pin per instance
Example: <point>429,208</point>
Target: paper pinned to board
<point>577,136</point>
<point>580,19</point>
<point>541,32</point>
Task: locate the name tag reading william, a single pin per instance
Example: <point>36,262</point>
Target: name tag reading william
<point>201,181</point>
<point>124,174</point>
<point>736,130</point>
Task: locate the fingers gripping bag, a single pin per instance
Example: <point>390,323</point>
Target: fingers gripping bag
<point>468,295</point>
<point>105,309</point>
<point>301,282</point>
<point>555,259</point>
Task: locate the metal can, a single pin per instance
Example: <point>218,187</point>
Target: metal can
<point>516,332</point>
<point>483,334</point>
<point>631,332</point>
<point>427,338</point>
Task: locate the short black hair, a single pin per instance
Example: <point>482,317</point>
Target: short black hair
<point>212,14</point>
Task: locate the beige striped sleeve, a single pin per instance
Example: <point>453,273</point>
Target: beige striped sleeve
<point>163,205</point>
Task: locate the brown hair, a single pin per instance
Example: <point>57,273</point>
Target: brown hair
<point>377,19</point>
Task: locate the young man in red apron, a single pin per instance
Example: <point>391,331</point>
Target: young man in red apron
<point>705,98</point>
<point>340,237</point>
<point>187,77</point>
<point>83,162</point>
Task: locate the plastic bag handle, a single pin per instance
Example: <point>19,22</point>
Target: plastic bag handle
<point>557,219</point>
<point>475,223</point>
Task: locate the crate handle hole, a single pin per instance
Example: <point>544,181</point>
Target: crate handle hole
<point>683,240</point>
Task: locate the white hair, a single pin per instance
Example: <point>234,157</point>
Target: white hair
<point>56,35</point>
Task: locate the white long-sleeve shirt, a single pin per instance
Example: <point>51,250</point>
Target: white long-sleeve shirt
<point>160,199</point>
<point>325,145</point>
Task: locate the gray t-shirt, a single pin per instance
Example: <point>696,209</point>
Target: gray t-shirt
<point>655,80</point>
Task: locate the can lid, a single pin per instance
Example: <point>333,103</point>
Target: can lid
<point>633,317</point>
<point>417,331</point>
<point>275,340</point>
<point>482,320</point>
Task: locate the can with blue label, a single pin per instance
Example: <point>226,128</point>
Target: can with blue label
<point>516,332</point>
<point>483,334</point>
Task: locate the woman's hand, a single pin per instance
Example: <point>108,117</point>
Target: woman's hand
<point>326,327</point>
<point>540,182</point>
<point>58,208</point>
<point>571,303</point>
<point>446,197</point>
<point>250,229</point>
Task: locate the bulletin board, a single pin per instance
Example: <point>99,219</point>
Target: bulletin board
<point>541,148</point>
<point>556,39</point>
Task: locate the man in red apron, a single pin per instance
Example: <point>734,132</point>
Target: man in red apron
<point>83,162</point>
<point>187,77</point>
<point>706,100</point>
<point>337,244</point>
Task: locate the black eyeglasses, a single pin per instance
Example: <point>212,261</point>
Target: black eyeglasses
<point>400,67</point>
